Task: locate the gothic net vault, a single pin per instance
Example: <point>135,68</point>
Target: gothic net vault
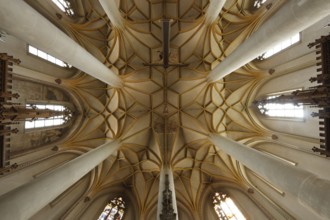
<point>162,117</point>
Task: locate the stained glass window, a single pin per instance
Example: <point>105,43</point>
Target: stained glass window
<point>114,210</point>
<point>225,207</point>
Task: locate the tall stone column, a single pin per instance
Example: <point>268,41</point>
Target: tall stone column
<point>113,13</point>
<point>167,207</point>
<point>23,202</point>
<point>293,17</point>
<point>310,190</point>
<point>22,21</point>
<point>213,10</point>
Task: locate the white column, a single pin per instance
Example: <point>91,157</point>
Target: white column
<point>113,13</point>
<point>293,17</point>
<point>22,21</point>
<point>169,172</point>
<point>310,190</point>
<point>213,10</point>
<point>23,202</point>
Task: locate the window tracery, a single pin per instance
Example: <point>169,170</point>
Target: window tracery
<point>46,56</point>
<point>225,207</point>
<point>281,46</point>
<point>114,210</point>
<point>273,108</point>
<point>50,115</point>
<point>258,3</point>
<point>65,6</point>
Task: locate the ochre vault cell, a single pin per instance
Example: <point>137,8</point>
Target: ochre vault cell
<point>164,109</point>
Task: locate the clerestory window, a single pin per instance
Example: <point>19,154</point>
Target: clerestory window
<point>277,109</point>
<point>225,207</point>
<point>114,210</point>
<point>258,3</point>
<point>47,115</point>
<point>65,6</point>
<point>281,46</point>
<point>46,56</point>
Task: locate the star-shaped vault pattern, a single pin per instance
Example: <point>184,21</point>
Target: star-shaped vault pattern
<point>163,115</point>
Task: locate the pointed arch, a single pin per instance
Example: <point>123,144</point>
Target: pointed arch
<point>114,210</point>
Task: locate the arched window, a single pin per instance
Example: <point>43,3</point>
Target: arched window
<point>225,207</point>
<point>277,109</point>
<point>114,210</point>
<point>44,115</point>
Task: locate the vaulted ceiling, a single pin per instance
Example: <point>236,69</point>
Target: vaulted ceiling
<point>163,115</point>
